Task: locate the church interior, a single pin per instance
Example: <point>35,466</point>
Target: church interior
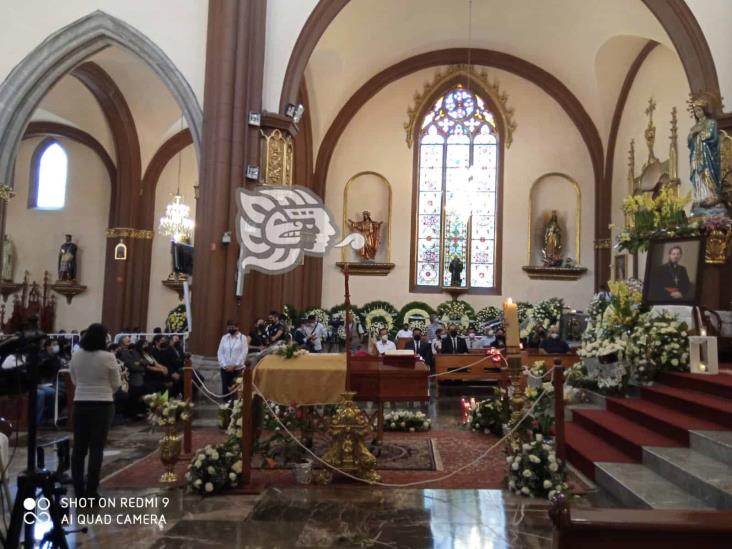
<point>361,273</point>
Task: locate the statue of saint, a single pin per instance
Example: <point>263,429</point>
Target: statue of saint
<point>371,231</point>
<point>67,260</point>
<point>456,269</point>
<point>8,259</point>
<point>552,250</point>
<point>704,160</point>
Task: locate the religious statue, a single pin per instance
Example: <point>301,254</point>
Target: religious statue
<point>704,160</point>
<point>8,259</point>
<point>67,261</point>
<point>456,269</point>
<point>371,231</point>
<point>552,249</point>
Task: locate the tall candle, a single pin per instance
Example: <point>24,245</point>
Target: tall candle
<point>511,323</point>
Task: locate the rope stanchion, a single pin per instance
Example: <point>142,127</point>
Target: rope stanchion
<point>374,483</point>
<point>247,431</point>
<point>188,397</point>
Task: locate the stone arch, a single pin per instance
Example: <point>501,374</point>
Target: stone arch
<point>30,80</point>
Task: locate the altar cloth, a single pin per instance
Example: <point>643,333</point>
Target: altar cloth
<point>317,378</point>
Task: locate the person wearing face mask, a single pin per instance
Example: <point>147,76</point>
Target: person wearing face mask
<point>453,343</point>
<point>421,346</point>
<point>437,342</point>
<point>500,341</point>
<point>50,364</point>
<point>473,342</point>
<point>258,340</point>
<point>314,335</point>
<point>165,355</point>
<point>405,332</point>
<point>232,354</point>
<point>383,344</point>
<point>489,336</point>
<point>554,345</point>
<point>138,387</point>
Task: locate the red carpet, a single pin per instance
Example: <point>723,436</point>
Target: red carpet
<point>663,416</point>
<point>455,447</point>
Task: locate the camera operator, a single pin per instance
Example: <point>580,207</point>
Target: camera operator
<point>95,374</point>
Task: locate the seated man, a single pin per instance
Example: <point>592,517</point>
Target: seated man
<point>420,346</point>
<point>500,341</point>
<point>452,343</point>
<point>437,342</point>
<point>473,341</point>
<point>163,354</point>
<point>489,337</point>
<point>553,345</point>
<point>49,366</point>
<point>405,332</point>
<point>383,344</point>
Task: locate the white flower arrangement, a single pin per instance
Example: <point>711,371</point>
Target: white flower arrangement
<point>490,415</point>
<point>215,468</point>
<point>164,411</point>
<point>658,343</point>
<point>406,421</point>
<point>535,471</point>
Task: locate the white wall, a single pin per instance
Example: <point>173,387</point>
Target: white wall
<point>162,299</point>
<point>545,141</point>
<point>37,235</point>
<point>715,19</point>
<point>662,77</point>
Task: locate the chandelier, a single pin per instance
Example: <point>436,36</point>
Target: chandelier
<point>176,223</point>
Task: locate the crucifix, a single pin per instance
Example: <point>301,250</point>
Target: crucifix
<point>650,132</point>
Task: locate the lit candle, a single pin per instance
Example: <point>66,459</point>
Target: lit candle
<point>511,323</point>
<point>703,332</point>
<point>702,367</point>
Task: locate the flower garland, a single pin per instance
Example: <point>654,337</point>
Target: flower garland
<point>215,467</point>
<point>416,314</point>
<point>535,471</point>
<point>378,315</point>
<point>489,314</point>
<point>456,312</point>
<point>177,321</point>
<point>406,421</point>
<point>659,342</point>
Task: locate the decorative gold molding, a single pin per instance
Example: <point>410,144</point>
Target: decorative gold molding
<point>126,232</point>
<point>6,193</point>
<point>277,157</point>
<point>499,98</point>
<point>344,226</point>
<point>366,269</point>
<point>603,244</point>
<point>578,213</point>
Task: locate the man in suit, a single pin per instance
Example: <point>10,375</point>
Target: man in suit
<point>420,346</point>
<point>671,281</point>
<point>452,343</point>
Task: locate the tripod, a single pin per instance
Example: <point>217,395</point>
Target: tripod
<point>32,480</point>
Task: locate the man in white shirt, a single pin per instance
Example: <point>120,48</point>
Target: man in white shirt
<point>383,344</point>
<point>405,332</point>
<point>437,342</point>
<point>489,337</point>
<point>473,342</point>
<point>314,334</point>
<point>232,354</point>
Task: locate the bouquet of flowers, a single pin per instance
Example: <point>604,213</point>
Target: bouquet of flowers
<point>214,468</point>
<point>541,418</point>
<point>291,350</point>
<point>659,342</point>
<point>524,309</point>
<point>537,369</point>
<point>548,312</point>
<point>166,412</point>
<point>406,421</point>
<point>535,471</point>
<point>488,314</point>
<point>490,415</point>
<point>177,321</point>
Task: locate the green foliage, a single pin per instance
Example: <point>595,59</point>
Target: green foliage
<point>176,321</point>
<point>415,309</point>
<point>377,315</point>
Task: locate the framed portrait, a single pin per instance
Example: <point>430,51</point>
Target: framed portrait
<point>674,268</point>
<point>621,267</point>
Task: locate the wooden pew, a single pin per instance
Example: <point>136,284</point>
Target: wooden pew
<point>639,528</point>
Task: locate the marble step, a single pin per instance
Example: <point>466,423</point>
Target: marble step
<point>703,477</point>
<point>714,444</point>
<point>637,486</point>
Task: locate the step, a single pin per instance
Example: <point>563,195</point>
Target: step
<point>702,405</point>
<point>697,474</point>
<point>584,448</point>
<point>662,419</point>
<point>627,435</point>
<point>715,444</point>
<point>637,486</point>
<point>719,384</point>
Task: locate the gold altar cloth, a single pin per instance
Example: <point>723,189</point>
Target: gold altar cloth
<point>317,378</point>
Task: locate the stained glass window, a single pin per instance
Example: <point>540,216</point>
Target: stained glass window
<point>457,198</point>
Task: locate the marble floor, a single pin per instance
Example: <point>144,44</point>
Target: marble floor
<point>341,515</point>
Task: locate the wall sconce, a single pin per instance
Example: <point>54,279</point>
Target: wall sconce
<point>226,238</point>
<point>295,112</point>
<point>252,172</point>
<point>120,251</point>
<point>703,354</point>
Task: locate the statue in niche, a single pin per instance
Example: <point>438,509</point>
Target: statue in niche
<point>704,161</point>
<point>552,249</point>
<point>456,270</point>
<point>371,231</point>
<point>8,259</point>
<point>67,261</point>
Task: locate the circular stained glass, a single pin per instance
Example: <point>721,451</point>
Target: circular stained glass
<point>459,104</point>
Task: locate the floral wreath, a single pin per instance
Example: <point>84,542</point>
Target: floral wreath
<point>456,312</point>
<point>488,314</point>
<point>339,312</point>
<point>177,321</point>
<point>416,314</point>
<point>377,315</point>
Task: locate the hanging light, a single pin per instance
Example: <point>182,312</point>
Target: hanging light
<point>176,223</point>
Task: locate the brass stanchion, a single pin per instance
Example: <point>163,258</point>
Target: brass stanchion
<point>188,397</point>
<point>247,441</point>
<point>515,371</point>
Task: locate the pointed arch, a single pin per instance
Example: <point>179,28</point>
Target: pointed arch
<point>30,80</point>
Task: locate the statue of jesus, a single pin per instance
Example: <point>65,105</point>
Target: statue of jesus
<point>371,231</point>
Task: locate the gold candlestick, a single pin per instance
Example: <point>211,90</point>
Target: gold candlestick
<point>515,370</point>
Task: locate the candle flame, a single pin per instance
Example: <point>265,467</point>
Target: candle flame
<point>703,333</point>
<point>509,301</point>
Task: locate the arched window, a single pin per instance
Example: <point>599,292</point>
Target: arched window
<point>49,170</point>
<point>457,194</point>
